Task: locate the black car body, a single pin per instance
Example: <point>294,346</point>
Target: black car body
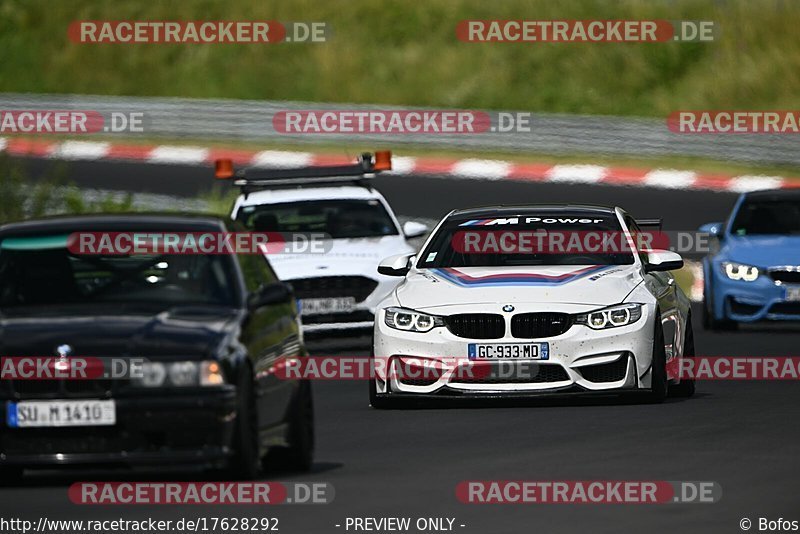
<point>226,312</point>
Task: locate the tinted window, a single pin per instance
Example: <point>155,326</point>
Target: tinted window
<point>41,271</point>
<point>447,247</point>
<point>635,231</point>
<point>338,218</point>
<point>758,217</point>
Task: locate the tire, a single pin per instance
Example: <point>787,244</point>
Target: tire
<point>246,462</point>
<point>706,314</point>
<point>299,455</point>
<point>686,387</point>
<point>658,368</point>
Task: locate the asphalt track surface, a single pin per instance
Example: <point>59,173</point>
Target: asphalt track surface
<point>743,435</point>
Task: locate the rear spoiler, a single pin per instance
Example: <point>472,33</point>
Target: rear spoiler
<point>252,179</point>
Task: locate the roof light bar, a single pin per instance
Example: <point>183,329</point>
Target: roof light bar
<point>254,178</point>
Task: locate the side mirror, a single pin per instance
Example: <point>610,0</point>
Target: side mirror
<point>397,265</point>
<point>663,260</point>
<point>413,229</point>
<point>715,229</point>
<point>274,293</point>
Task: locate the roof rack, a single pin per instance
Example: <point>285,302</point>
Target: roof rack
<point>254,179</point>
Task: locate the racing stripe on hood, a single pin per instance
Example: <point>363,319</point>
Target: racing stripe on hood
<point>516,279</point>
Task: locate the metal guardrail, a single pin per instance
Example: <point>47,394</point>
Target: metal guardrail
<point>251,120</point>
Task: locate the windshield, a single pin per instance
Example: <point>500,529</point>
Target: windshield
<point>761,217</point>
<point>527,240</point>
<point>338,218</point>
<point>40,271</point>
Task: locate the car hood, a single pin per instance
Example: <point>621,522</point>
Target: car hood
<point>185,332</point>
<point>763,251</point>
<point>596,285</point>
<point>343,257</point>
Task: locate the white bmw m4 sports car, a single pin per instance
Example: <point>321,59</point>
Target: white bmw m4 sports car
<point>531,300</point>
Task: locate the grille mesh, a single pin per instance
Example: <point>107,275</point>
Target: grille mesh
<point>786,308</point>
<point>359,287</point>
<point>606,372</point>
<point>788,277</point>
<point>538,325</point>
<point>477,325</point>
<point>32,389</point>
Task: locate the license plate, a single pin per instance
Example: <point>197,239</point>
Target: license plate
<point>332,305</point>
<point>26,414</point>
<point>793,293</point>
<point>508,351</point>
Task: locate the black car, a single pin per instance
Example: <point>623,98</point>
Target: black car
<point>209,330</point>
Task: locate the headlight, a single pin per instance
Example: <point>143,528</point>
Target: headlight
<point>183,373</point>
<point>621,315</point>
<point>180,374</point>
<point>410,320</point>
<point>738,271</point>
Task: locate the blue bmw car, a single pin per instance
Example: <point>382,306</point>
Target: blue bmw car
<point>752,272</point>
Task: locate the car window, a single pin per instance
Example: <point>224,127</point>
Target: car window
<point>343,218</point>
<point>762,217</point>
<point>449,246</point>
<point>40,270</point>
<point>636,232</point>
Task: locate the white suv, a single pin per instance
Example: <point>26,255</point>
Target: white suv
<point>338,289</point>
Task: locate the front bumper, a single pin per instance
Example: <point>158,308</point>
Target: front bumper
<point>749,302</point>
<point>361,317</point>
<point>580,360</point>
<point>152,428</point>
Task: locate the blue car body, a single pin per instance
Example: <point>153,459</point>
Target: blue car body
<point>772,247</point>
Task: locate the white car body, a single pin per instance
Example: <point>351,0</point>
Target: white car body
<point>576,356</point>
<point>343,259</point>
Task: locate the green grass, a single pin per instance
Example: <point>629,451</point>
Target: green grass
<point>396,52</point>
<point>20,199</point>
<point>685,279</point>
